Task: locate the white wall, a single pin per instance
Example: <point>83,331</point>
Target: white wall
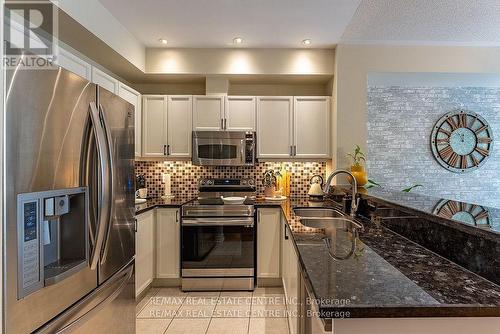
<point>97,19</point>
<point>354,62</point>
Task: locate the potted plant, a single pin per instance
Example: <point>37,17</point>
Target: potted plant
<point>270,180</point>
<point>357,169</point>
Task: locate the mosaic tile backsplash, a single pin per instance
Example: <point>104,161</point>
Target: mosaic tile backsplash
<point>185,176</point>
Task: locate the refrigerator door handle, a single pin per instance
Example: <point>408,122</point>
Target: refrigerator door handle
<point>104,196</point>
<point>111,201</point>
<point>86,308</point>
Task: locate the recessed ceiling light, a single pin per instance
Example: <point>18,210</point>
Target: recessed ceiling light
<point>306,42</point>
<point>163,41</point>
<point>237,40</point>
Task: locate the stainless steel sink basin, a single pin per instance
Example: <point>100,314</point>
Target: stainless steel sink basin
<point>335,225</point>
<point>324,218</point>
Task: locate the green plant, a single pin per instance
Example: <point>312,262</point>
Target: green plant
<point>270,178</point>
<point>357,157</point>
<point>409,189</point>
<point>371,184</point>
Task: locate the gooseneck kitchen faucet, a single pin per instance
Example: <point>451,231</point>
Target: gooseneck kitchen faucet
<point>355,201</point>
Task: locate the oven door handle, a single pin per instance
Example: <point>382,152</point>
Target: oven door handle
<point>218,222</point>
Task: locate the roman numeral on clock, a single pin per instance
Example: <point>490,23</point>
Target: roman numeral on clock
<point>484,140</point>
<point>443,140</point>
<point>446,152</point>
<point>453,159</point>
<point>446,132</point>
<point>481,215</point>
<point>463,162</point>
<point>481,151</point>
<point>452,123</point>
<point>462,120</point>
<point>481,129</point>
<point>475,162</point>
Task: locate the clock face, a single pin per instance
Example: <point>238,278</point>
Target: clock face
<point>461,141</point>
<point>470,214</point>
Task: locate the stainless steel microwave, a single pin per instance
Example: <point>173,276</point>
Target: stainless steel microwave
<point>224,148</point>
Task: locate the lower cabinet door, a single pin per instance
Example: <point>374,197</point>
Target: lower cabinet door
<point>167,243</point>
<point>268,242</point>
<point>144,252</point>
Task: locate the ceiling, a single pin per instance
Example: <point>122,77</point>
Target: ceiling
<point>214,23</point>
<point>440,22</point>
<point>285,23</point>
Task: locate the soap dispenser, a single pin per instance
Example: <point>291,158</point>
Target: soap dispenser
<point>316,189</point>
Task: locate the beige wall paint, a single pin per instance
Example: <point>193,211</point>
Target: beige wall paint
<point>97,19</point>
<point>354,62</point>
<point>171,88</point>
<point>312,89</point>
<point>216,85</point>
<point>240,61</point>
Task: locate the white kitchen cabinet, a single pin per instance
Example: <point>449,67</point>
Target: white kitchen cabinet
<point>274,126</point>
<point>167,243</point>
<point>208,112</point>
<point>290,278</point>
<point>311,127</point>
<point>167,126</point>
<point>240,113</point>
<point>154,126</point>
<point>133,97</point>
<point>179,125</point>
<point>105,80</point>
<point>144,251</point>
<point>268,242</point>
<point>74,64</point>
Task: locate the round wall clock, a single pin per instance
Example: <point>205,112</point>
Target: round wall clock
<point>463,212</point>
<point>461,141</point>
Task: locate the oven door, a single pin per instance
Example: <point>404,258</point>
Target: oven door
<point>218,247</point>
<point>221,149</point>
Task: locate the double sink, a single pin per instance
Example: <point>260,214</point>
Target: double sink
<point>339,229</point>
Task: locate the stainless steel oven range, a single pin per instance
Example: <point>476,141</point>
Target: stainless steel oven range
<point>218,240</point>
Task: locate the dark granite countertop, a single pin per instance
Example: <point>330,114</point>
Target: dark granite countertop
<point>459,214</point>
<point>389,276</point>
<point>152,203</point>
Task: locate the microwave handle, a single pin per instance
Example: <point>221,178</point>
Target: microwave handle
<point>242,151</point>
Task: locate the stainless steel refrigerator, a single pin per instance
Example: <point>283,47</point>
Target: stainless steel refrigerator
<point>69,206</point>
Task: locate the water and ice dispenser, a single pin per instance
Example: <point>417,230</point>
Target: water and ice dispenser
<point>52,237</point>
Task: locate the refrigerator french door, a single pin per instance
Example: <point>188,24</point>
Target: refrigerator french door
<point>69,219</point>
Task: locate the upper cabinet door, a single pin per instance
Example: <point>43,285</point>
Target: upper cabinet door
<point>74,64</point>
<point>208,112</point>
<point>104,80</point>
<point>133,97</point>
<point>274,126</point>
<point>179,120</point>
<point>240,113</point>
<point>154,126</point>
<point>312,127</point>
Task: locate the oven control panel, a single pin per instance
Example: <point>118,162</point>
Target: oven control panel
<point>226,183</point>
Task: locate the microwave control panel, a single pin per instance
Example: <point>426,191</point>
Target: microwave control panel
<point>30,263</point>
<point>249,148</point>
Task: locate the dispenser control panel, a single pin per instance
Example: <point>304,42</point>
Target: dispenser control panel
<point>29,237</point>
<point>52,237</point>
